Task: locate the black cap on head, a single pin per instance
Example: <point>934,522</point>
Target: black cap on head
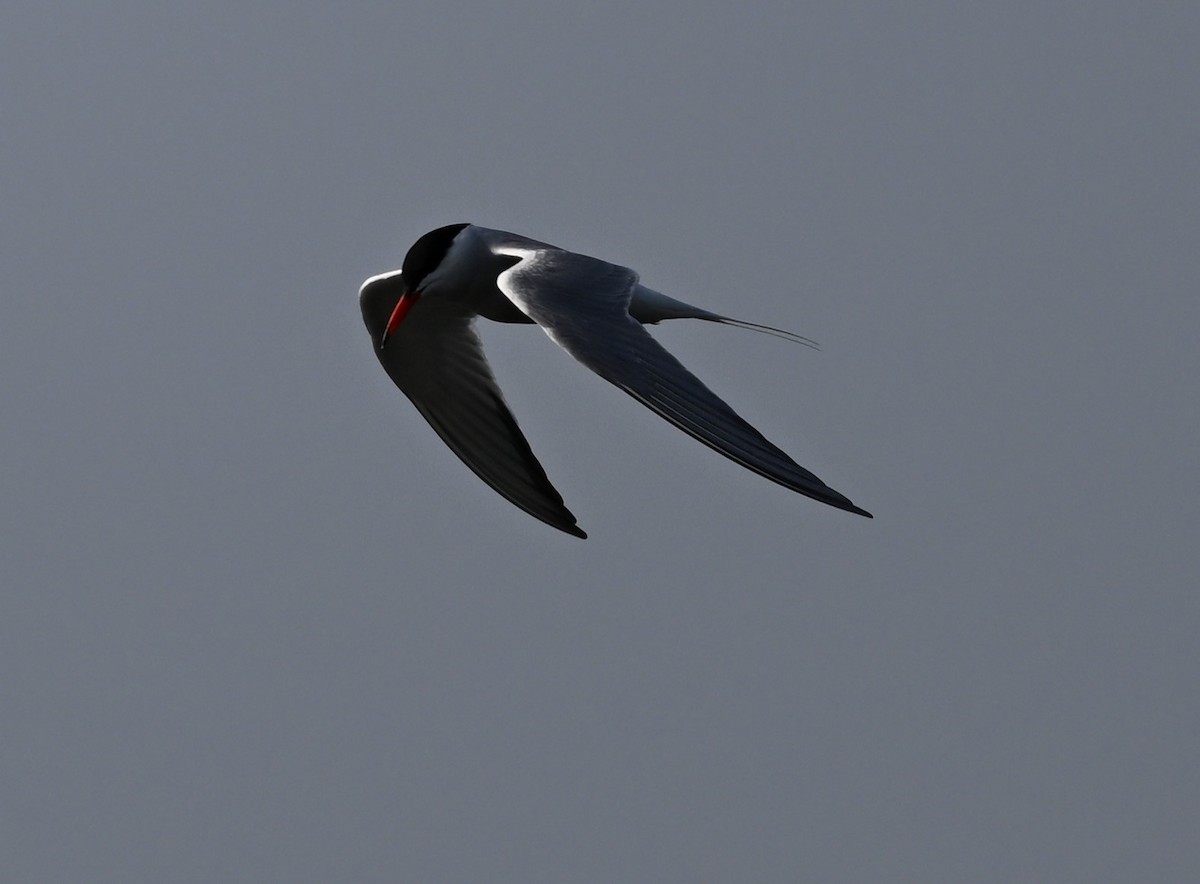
<point>426,254</point>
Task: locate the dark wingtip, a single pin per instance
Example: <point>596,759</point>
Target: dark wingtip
<point>574,531</point>
<point>860,511</point>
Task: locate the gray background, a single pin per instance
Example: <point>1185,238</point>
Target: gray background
<point>259,624</point>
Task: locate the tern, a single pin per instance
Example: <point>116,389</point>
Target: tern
<point>421,319</point>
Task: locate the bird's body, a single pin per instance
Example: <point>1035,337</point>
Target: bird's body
<point>421,320</point>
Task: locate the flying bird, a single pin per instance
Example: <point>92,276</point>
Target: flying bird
<point>422,322</point>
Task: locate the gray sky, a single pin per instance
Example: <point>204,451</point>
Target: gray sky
<point>259,624</point>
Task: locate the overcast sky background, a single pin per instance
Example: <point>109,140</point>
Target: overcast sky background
<point>259,624</point>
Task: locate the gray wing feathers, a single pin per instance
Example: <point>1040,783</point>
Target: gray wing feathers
<point>583,304</point>
<point>439,364</point>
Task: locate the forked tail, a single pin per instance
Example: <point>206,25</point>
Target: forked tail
<point>765,329</point>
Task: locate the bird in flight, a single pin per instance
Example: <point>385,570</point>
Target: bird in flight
<point>421,319</point>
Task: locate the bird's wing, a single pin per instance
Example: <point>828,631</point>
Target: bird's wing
<point>583,305</point>
<point>437,360</point>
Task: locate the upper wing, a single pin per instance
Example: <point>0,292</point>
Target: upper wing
<point>437,360</point>
<point>583,304</point>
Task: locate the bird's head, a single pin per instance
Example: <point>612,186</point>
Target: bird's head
<point>400,289</point>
